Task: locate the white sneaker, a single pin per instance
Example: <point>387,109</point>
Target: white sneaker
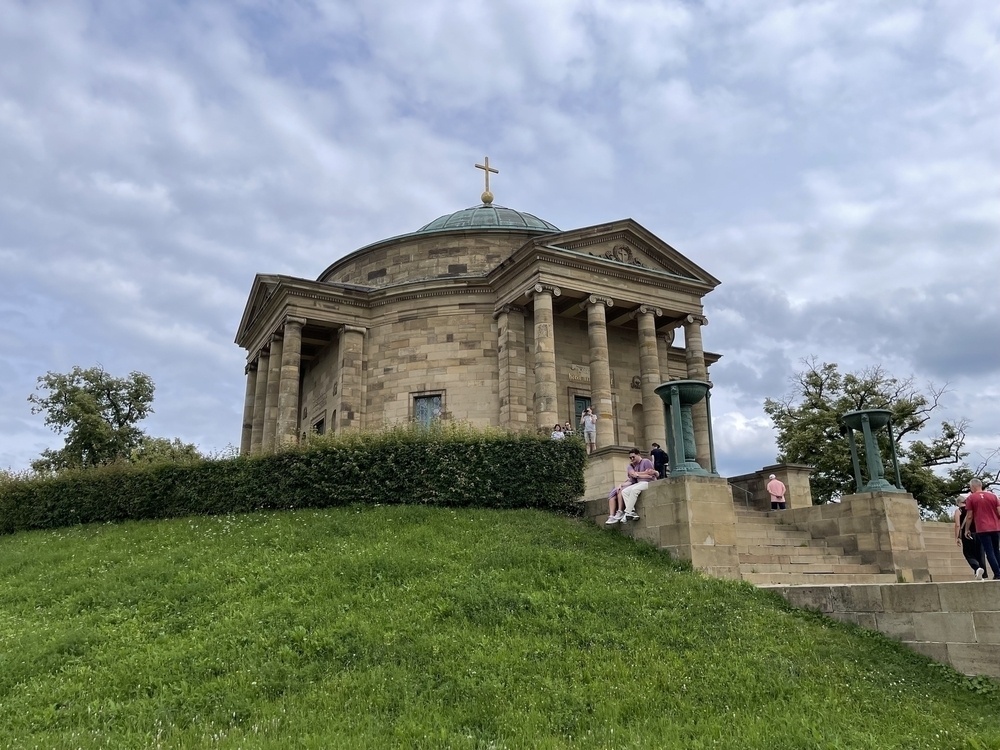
<point>614,519</point>
<point>632,515</point>
<point>979,574</point>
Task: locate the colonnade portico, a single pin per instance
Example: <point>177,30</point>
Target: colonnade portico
<point>273,399</point>
<point>653,339</point>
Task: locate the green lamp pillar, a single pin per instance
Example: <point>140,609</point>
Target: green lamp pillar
<point>870,421</point>
<point>678,397</point>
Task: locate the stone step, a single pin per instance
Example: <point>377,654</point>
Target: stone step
<point>771,532</point>
<point>797,560</point>
<point>761,520</point>
<point>813,579</point>
<point>828,567</point>
<point>947,578</point>
<point>788,549</point>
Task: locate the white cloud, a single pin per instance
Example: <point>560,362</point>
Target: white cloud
<point>834,163</point>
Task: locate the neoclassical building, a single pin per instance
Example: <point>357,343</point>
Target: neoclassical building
<point>487,315</point>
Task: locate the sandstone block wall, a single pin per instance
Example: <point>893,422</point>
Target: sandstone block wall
<point>422,257</point>
<point>953,623</point>
<point>880,527</point>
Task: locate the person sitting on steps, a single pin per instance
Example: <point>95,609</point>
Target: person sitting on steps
<point>622,499</point>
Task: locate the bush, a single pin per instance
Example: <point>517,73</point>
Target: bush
<point>447,465</point>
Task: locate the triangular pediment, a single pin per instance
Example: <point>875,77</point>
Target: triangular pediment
<point>260,294</point>
<point>627,243</point>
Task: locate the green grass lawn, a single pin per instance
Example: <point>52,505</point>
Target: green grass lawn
<point>419,627</point>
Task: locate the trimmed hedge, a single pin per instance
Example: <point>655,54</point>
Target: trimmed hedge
<point>449,466</point>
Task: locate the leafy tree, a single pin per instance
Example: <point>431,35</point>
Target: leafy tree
<point>810,432</point>
<point>161,450</point>
<point>99,415</point>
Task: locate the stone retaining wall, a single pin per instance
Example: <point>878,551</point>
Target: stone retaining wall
<point>953,623</point>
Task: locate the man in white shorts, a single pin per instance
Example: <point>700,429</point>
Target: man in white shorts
<point>622,500</point>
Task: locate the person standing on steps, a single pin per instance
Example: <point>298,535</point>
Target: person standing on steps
<point>589,421</point>
<point>776,489</point>
<point>971,549</point>
<point>660,459</point>
<point>984,511</point>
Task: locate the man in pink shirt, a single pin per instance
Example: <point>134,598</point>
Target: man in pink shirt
<point>983,509</point>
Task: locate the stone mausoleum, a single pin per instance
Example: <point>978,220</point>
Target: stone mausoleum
<point>487,315</point>
<point>494,316</point>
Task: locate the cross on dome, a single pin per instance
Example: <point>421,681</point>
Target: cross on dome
<point>487,196</point>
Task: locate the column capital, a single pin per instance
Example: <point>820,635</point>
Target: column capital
<point>596,299</point>
<point>506,310</point>
<point>294,321</point>
<point>348,328</point>
<point>540,288</point>
<point>264,353</point>
<point>668,336</point>
<point>251,367</point>
<point>699,319</point>
<point>277,335</point>
<point>647,309</point>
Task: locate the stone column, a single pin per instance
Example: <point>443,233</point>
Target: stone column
<point>288,386</point>
<point>513,369</point>
<point>600,369</point>
<point>271,397</point>
<point>259,402</point>
<point>351,378</point>
<point>665,340</point>
<point>649,375</point>
<point>546,404</point>
<point>248,402</point>
<point>694,354</point>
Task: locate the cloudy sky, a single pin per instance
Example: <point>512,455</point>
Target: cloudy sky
<point>836,164</point>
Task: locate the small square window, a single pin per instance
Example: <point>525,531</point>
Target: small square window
<point>427,408</point>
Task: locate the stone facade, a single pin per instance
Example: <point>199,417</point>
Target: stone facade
<point>511,326</point>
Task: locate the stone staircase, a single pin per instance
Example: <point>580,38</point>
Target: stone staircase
<point>773,553</point>
<point>944,557</point>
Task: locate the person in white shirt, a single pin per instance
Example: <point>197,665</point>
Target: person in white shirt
<point>589,421</point>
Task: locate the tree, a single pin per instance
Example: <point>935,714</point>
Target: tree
<point>810,432</point>
<point>98,413</point>
<point>163,451</point>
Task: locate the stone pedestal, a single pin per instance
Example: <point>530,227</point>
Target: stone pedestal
<point>693,519</point>
<point>751,489</point>
<point>606,468</point>
<point>880,527</point>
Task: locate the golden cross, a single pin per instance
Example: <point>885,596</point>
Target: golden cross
<point>487,169</point>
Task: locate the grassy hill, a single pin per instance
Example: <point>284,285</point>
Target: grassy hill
<point>420,627</point>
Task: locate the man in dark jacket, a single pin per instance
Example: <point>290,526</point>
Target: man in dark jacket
<point>660,459</point>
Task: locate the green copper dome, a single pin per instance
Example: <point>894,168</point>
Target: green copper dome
<point>488,217</point>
